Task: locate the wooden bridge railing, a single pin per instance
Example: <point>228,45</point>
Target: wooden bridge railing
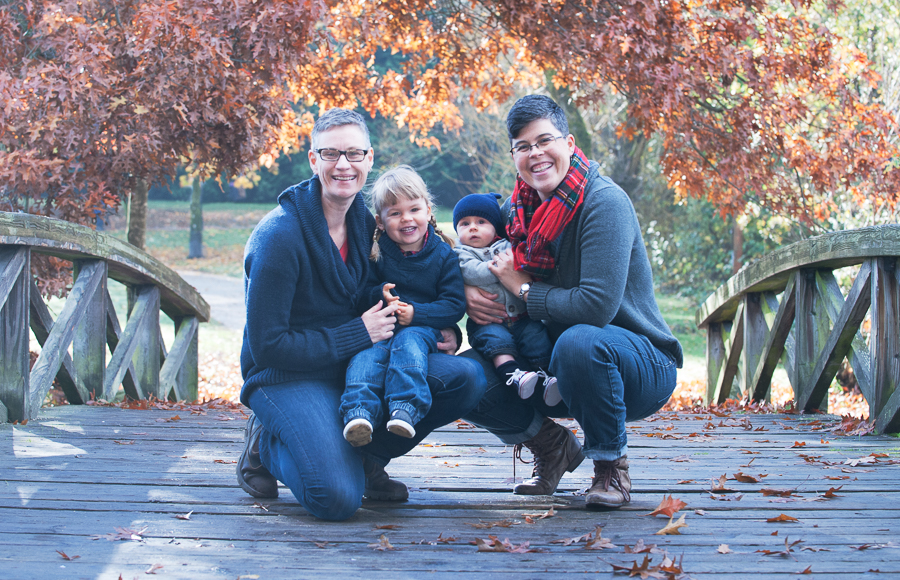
<point>88,322</point>
<point>813,327</point>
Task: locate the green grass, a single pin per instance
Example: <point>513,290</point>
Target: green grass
<point>679,313</point>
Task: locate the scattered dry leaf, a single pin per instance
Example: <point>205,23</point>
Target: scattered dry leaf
<point>382,544</point>
<point>746,478</point>
<point>668,507</point>
<point>673,527</point>
<point>152,569</point>
<point>387,527</point>
<point>66,556</point>
<point>724,549</point>
<point>186,516</point>
<point>782,518</point>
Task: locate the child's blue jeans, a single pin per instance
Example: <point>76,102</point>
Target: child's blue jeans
<point>525,339</point>
<point>392,371</point>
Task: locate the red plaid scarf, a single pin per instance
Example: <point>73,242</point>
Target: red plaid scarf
<point>534,224</point>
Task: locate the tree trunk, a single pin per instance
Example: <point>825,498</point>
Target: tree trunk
<point>137,215</point>
<point>195,248</point>
<point>737,246</point>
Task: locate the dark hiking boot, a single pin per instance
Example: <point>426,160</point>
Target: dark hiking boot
<point>252,475</point>
<point>379,485</point>
<point>611,486</point>
<point>556,450</point>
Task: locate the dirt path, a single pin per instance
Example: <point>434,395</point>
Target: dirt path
<point>225,295</point>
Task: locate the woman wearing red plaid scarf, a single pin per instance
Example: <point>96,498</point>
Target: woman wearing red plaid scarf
<point>579,262</point>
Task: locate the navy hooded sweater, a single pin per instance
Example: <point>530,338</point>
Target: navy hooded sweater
<point>430,280</point>
<point>301,297</point>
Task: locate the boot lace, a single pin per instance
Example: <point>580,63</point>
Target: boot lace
<point>607,473</point>
<point>535,449</point>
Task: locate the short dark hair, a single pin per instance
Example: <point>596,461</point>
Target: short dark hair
<point>338,118</point>
<point>532,107</point>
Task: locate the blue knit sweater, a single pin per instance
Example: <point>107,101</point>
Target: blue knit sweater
<point>302,313</point>
<point>430,280</point>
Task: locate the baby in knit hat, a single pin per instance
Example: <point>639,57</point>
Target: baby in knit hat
<point>519,347</point>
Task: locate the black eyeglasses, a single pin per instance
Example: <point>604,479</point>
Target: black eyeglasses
<point>352,155</point>
<point>542,144</point>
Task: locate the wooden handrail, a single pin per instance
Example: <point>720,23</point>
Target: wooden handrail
<point>814,326</point>
<point>88,322</point>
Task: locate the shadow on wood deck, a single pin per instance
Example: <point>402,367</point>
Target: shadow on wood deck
<point>76,473</point>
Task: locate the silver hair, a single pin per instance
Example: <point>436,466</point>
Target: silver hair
<point>338,118</point>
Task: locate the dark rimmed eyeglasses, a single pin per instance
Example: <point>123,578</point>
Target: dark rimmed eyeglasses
<point>352,155</point>
<point>543,143</point>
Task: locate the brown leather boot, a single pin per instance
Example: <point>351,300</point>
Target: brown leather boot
<point>252,475</point>
<point>611,486</point>
<point>556,450</point>
<point>380,486</point>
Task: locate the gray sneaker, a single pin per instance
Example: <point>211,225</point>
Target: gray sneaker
<point>400,424</point>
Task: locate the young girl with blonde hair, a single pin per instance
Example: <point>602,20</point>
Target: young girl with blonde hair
<point>412,265</point>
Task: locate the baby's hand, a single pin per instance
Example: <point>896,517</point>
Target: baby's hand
<point>386,292</point>
<point>405,314</point>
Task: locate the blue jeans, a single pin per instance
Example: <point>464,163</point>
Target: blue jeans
<point>606,376</point>
<point>303,446</point>
<point>392,371</point>
<point>525,338</point>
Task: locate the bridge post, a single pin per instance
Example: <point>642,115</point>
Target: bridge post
<point>15,286</point>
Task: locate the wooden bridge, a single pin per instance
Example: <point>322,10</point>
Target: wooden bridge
<point>139,360</point>
<point>813,326</point>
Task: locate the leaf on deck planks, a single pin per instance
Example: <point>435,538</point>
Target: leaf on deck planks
<point>672,527</point>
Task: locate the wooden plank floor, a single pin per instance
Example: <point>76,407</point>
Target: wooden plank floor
<point>78,473</point>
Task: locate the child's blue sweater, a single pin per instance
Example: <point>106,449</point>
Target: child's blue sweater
<point>302,299</point>
<point>430,280</point>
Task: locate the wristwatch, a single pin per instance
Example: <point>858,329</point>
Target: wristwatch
<point>523,289</point>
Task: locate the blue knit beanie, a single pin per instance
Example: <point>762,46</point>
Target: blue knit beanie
<point>481,205</point>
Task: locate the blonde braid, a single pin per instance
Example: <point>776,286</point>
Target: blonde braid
<point>437,230</point>
<point>375,254</point>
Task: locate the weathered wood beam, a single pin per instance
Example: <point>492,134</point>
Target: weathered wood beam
<point>89,342</point>
<point>858,355</point>
<point>729,369</point>
<point>146,300</point>
<point>63,332</point>
<point>773,305</point>
<point>12,262</point>
<point>715,355</point>
<point>182,347</point>
<point>129,383</point>
<point>67,377</point>
<point>774,347</point>
<point>809,325</point>
<point>839,340</point>
<point>15,272</point>
<point>146,355</point>
<point>756,332</point>
<point>884,341</point>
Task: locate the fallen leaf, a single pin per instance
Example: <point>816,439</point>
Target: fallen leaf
<point>442,540</point>
<point>683,459</point>
<point>830,493</point>
<point>169,419</point>
<point>117,442</point>
<point>382,544</point>
<point>186,516</point>
<point>225,461</point>
<point>66,556</point>
<point>807,571</point>
<point>745,478</point>
<point>725,497</point>
<point>668,506</point>
<point>639,547</point>
<point>644,570</point>
<point>782,518</point>
<point>495,545</point>
<point>152,569</point>
<point>768,491</point>
<point>786,553</point>
<point>122,534</point>
<point>700,512</point>
<point>321,544</point>
<point>489,525</point>
<point>264,508</point>
<point>724,549</point>
<point>531,518</point>
<point>598,542</point>
<point>684,481</point>
<point>798,444</point>
<point>720,484</point>
<point>387,527</point>
<point>673,527</point>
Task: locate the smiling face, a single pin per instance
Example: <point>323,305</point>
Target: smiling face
<point>406,223</point>
<point>341,179</point>
<point>545,169</point>
<point>475,231</point>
